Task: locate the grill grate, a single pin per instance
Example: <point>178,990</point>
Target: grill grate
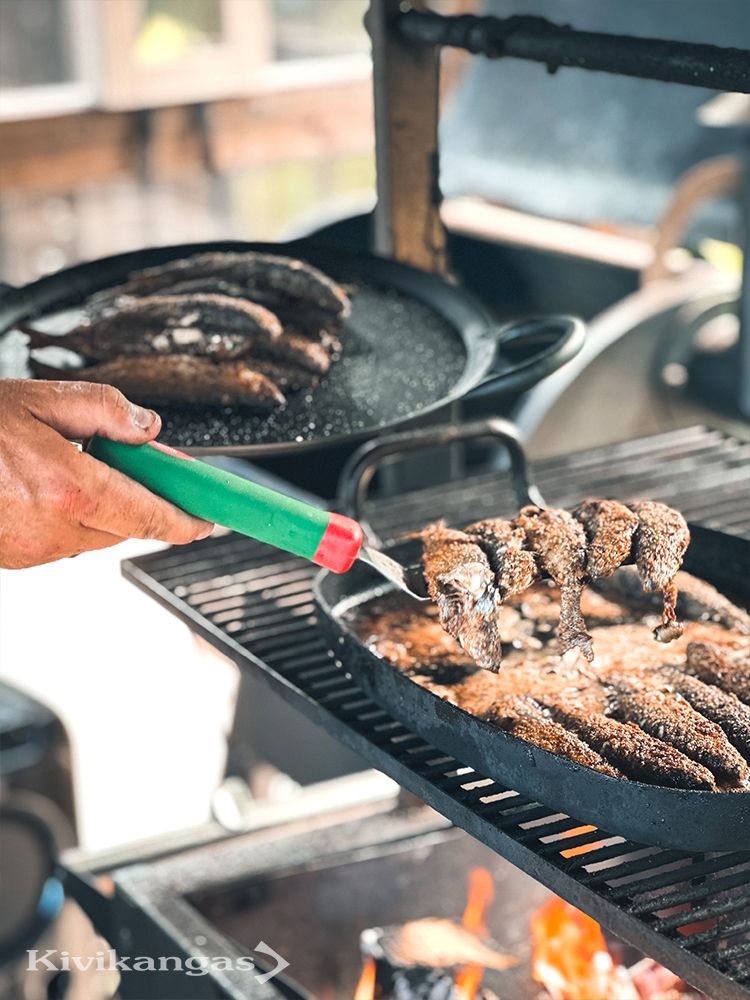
<point>689,911</point>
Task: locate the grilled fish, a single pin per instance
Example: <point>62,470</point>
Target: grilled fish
<point>316,324</point>
<point>461,582</point>
<point>210,325</point>
<point>659,545</point>
<point>559,541</point>
<point>254,273</point>
<point>716,665</point>
<point>668,717</point>
<point>503,543</point>
<point>637,754</point>
<point>285,374</point>
<point>721,707</point>
<point>609,528</point>
<point>177,378</point>
<point>523,717</point>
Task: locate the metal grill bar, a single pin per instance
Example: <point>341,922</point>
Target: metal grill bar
<point>539,40</point>
<point>254,605</point>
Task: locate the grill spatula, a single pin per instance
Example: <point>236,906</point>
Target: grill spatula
<point>325,538</point>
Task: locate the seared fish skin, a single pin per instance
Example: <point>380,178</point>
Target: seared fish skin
<point>503,542</point>
<point>176,378</point>
<point>285,374</point>
<point>715,665</point>
<point>609,528</point>
<point>668,717</point>
<point>637,754</point>
<point>212,325</point>
<point>660,543</point>
<point>699,600</point>
<point>310,321</point>
<point>298,350</point>
<point>251,271</point>
<point>721,707</point>
<point>521,716</point>
<point>559,542</point>
<point>461,582</point>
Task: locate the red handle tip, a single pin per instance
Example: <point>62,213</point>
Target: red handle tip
<point>340,544</point>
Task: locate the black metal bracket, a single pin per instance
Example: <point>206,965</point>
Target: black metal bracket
<point>358,473</point>
<point>539,40</point>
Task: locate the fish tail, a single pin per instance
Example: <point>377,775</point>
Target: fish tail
<point>37,338</point>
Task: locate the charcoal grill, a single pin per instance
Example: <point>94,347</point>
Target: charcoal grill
<point>688,910</point>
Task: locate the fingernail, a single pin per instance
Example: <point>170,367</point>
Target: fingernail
<point>142,418</point>
<point>205,533</point>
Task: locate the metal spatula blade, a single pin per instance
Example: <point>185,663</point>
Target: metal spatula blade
<point>408,578</point>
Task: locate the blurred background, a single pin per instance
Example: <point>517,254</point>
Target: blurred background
<point>128,123</point>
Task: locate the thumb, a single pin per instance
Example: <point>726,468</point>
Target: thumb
<point>81,409</point>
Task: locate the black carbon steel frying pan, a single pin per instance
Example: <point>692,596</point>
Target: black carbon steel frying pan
<point>646,814</point>
<point>413,344</point>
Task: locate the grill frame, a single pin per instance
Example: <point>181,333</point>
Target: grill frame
<point>227,588</point>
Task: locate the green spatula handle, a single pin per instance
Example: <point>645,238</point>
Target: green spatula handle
<point>324,538</point>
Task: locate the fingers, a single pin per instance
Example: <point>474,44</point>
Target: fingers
<point>70,540</point>
<point>111,502</point>
<point>82,409</point>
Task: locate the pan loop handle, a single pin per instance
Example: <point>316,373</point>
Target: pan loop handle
<point>529,349</point>
<point>358,473</point>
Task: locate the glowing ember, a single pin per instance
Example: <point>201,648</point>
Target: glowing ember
<point>571,959</point>
<point>365,989</point>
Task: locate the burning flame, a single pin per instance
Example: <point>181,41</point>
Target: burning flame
<point>481,894</point>
<point>365,989</point>
<point>571,959</point>
<point>409,942</point>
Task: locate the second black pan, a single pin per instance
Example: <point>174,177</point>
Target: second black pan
<point>414,344</point>
<point>646,814</point>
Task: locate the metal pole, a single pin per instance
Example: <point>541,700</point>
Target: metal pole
<point>556,45</point>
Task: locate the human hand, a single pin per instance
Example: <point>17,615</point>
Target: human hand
<point>56,501</point>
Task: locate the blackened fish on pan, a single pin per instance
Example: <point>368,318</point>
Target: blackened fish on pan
<point>728,669</point>
<point>462,584</point>
<point>637,754</point>
<point>660,543</point>
<point>212,325</point>
<point>176,378</point>
<point>308,320</point>
<point>249,270</point>
<point>559,541</point>
<point>668,717</point>
<point>609,528</point>
<point>298,316</point>
<point>285,374</point>
<point>298,350</point>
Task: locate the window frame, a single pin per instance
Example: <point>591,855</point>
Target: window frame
<point>101,34</point>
